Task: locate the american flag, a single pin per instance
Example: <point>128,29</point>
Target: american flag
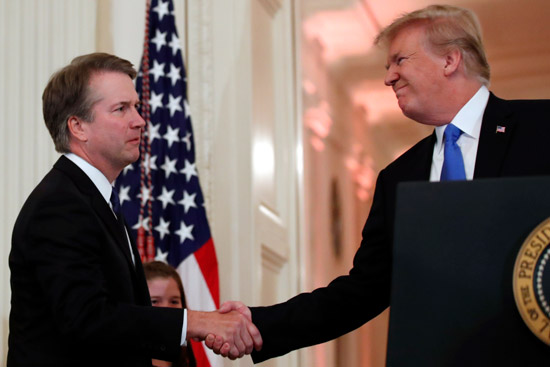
<point>160,193</point>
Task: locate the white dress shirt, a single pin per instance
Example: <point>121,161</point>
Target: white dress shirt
<point>468,119</point>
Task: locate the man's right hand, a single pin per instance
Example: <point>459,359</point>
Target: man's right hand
<point>230,333</point>
<point>220,346</point>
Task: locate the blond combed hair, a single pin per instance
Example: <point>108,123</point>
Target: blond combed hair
<point>446,27</point>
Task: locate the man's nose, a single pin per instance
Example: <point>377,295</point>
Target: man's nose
<point>391,77</point>
<point>137,119</point>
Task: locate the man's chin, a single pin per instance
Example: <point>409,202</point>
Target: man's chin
<point>402,103</point>
<point>132,158</point>
<point>405,108</point>
<point>422,118</point>
<point>412,114</point>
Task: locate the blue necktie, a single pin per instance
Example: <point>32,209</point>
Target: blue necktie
<point>453,163</point>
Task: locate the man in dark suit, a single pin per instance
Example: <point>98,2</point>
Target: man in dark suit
<point>79,295</point>
<point>438,70</point>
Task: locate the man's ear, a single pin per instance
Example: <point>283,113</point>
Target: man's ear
<point>77,128</point>
<point>453,59</point>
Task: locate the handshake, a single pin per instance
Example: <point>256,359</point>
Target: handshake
<point>228,331</point>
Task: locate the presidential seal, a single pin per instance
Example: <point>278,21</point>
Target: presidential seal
<point>532,281</point>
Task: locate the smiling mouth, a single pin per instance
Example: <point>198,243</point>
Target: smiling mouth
<point>398,89</point>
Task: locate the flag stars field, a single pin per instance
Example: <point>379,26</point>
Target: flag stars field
<point>145,194</point>
<point>159,40</point>
<point>162,256</point>
<point>161,9</point>
<point>155,102</point>
<point>153,132</point>
<point>169,166</point>
<point>185,232</point>
<point>166,197</point>
<point>174,74</point>
<point>187,140</point>
<point>150,162</point>
<point>187,109</point>
<point>174,104</point>
<point>188,201</point>
<point>142,223</point>
<point>162,228</point>
<point>171,135</point>
<point>124,194</point>
<point>189,170</point>
<point>175,44</point>
<point>168,202</point>
<point>157,70</point>
<point>129,167</point>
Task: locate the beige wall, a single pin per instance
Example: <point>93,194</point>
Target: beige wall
<point>34,43</point>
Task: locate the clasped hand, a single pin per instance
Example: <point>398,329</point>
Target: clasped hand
<point>228,331</point>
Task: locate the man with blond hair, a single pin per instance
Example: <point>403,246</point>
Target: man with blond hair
<point>437,67</point>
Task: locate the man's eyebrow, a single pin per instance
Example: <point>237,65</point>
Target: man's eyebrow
<point>392,59</point>
<point>129,102</point>
<point>399,55</point>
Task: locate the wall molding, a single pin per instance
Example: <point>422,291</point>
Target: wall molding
<point>200,89</point>
<point>272,6</point>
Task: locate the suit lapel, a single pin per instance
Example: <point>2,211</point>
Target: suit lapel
<point>493,144</point>
<point>105,213</point>
<point>424,170</point>
<point>419,164</point>
<point>142,292</point>
<point>98,203</point>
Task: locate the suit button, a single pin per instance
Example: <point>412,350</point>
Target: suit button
<point>163,348</point>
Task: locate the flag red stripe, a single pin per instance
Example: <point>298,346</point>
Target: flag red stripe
<point>208,263</point>
<point>200,354</point>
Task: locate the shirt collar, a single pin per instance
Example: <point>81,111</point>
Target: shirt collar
<point>98,178</point>
<point>469,118</point>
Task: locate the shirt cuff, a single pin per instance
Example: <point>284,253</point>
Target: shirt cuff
<point>184,329</point>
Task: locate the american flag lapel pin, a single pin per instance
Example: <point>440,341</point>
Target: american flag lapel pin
<point>501,129</point>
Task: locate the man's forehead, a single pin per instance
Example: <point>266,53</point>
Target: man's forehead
<point>108,75</point>
<point>407,37</point>
<point>113,83</point>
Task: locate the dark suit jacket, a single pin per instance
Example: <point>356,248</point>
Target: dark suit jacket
<point>350,301</point>
<point>77,299</point>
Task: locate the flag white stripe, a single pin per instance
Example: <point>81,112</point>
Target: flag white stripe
<point>197,294</point>
<point>198,297</point>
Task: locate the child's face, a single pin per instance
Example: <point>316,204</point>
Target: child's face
<point>164,292</point>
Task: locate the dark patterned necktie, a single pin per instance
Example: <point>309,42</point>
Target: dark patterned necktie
<point>115,202</point>
<point>117,209</point>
